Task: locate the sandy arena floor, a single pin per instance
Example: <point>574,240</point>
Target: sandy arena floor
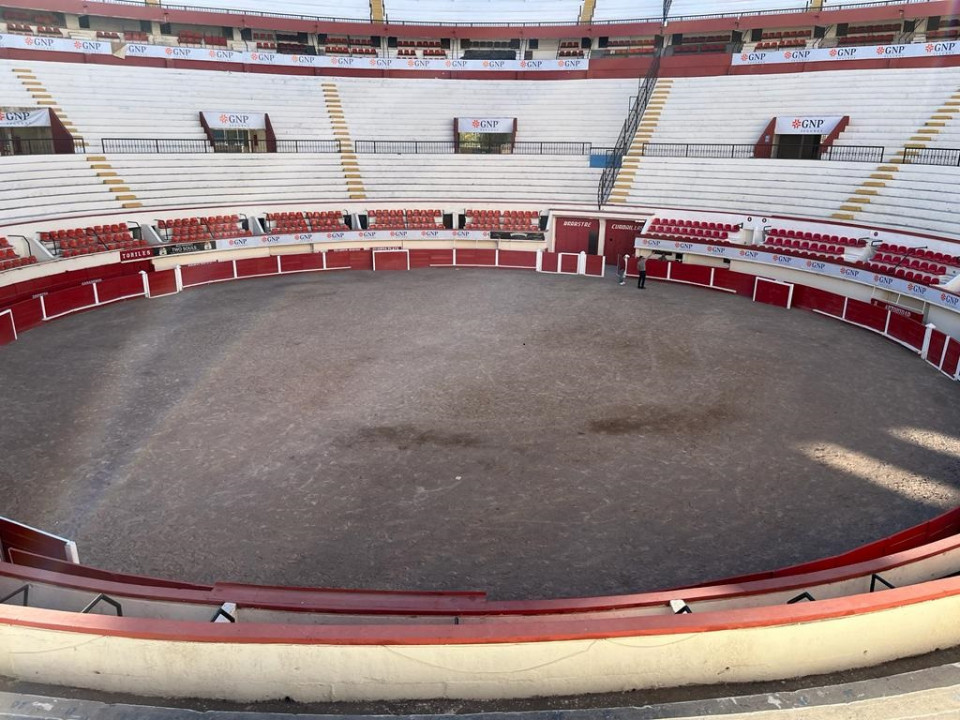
<point>523,434</point>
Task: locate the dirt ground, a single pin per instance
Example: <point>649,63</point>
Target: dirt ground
<point>527,435</point>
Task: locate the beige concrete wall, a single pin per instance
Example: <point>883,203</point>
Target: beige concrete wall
<point>249,672</point>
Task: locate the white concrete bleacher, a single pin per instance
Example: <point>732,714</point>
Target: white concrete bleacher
<point>138,102</point>
<point>34,187</point>
<point>557,110</point>
<point>340,9</point>
<point>498,12</point>
<point>12,91</point>
<point>886,107</point>
<point>606,10</point>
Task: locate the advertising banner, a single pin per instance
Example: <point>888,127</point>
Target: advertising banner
<point>351,236</point>
<point>932,295</point>
<point>218,120</point>
<point>485,125</point>
<point>24,117</point>
<point>259,57</point>
<point>54,44</point>
<point>866,52</point>
<point>807,124</point>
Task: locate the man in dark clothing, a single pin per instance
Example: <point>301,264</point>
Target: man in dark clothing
<point>642,269</point>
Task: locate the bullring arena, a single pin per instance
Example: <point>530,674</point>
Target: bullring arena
<point>321,390</point>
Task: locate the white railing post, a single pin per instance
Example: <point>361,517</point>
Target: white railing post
<point>178,277</point>
<point>927,336</point>
<point>582,263</point>
<point>96,294</point>
<point>539,260</point>
<point>146,284</point>
<point>43,306</point>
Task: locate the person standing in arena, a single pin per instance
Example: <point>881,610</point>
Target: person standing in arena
<point>622,269</point>
<point>642,270</point>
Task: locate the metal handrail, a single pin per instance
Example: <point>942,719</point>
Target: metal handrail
<point>445,147</point>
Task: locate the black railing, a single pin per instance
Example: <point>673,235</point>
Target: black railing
<point>627,132</point>
<point>448,147</point>
<point>155,145</point>
<point>931,156</point>
<point>41,146</point>
<point>840,153</point>
<point>852,153</point>
<point>308,146</point>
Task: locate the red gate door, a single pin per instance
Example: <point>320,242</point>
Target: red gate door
<point>618,239</point>
<point>572,234</point>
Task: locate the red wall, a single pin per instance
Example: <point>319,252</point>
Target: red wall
<point>572,234</point>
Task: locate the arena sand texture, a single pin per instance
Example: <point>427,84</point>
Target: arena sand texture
<point>528,435</point>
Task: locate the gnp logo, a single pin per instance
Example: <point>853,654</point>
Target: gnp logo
<point>368,234</point>
<point>336,236</point>
<point>808,124</point>
<point>653,243</point>
<point>39,42</point>
<point>237,242</point>
<point>235,119</point>
<point>457,64</point>
<point>568,64</point>
<point>343,61</point>
<point>303,59</point>
<point>263,57</point>
<point>950,300</point>
<point>398,233</point>
<point>882,280</point>
<point>178,52</point>
<point>531,64</point>
<point>305,237</point>
<point>271,239</point>
<point>14,117</point>
<point>917,289</point>
<point>842,53</point>
<point>891,50</point>
<point>753,57</point>
<point>380,62</point>
<point>462,233</point>
<point>486,124</point>
<point>221,54</point>
<point>714,250</point>
<point>87,45</point>
<point>815,265</point>
<point>948,48</point>
<point>683,246</point>
<point>798,55</point>
<point>494,64</point>
<point>849,272</point>
<point>783,260</point>
<point>136,49</point>
<point>749,254</point>
<point>430,233</point>
<point>418,63</point>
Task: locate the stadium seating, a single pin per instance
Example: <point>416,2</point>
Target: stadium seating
<point>405,219</point>
<point>489,11</point>
<point>87,240</point>
<point>305,222</point>
<point>199,229</point>
<point>9,259</point>
<point>519,220</point>
<point>775,233</point>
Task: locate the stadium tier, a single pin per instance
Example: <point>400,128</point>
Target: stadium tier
<point>483,11</point>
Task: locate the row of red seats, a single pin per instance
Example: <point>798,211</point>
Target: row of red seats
<point>925,266</point>
<point>435,53</point>
<point>706,39</point>
<point>816,237</point>
<point>908,275</point>
<point>48,30</point>
<point>639,42</point>
<point>868,29</point>
<point>633,51</point>
<point>363,51</point>
<point>866,40</point>
<point>189,37</point>
<point>780,44</point>
<point>406,53</point>
<point>107,35</point>
<point>707,48</point>
<point>9,258</point>
<point>569,44</point>
<point>19,28</point>
<point>266,46</point>
<point>136,36</point>
<point>818,247</point>
<point>924,253</point>
<point>342,40</point>
<point>672,232</point>
<point>703,224</point>
<point>269,37</point>
<point>950,34</point>
<point>506,220</point>
<point>409,219</point>
<point>337,50</point>
<point>418,43</point>
<point>808,254</point>
<point>571,53</point>
<point>780,35</point>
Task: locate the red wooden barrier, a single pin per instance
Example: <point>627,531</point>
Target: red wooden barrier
<point>866,314</point>
<point>907,331</point>
<point>253,267</point>
<point>27,314</point>
<point>695,274</point>
<point>811,298</point>
<point>14,535</point>
<point>162,283</point>
<point>390,260</point>
<point>739,283</point>
<point>770,292</point>
<point>431,258</point>
<point>119,287</point>
<point>70,300</point>
<point>551,262</point>
<point>481,258</point>
<point>361,260</point>
<point>205,273</point>
<point>301,263</point>
<point>569,263</point>
<point>8,332</point>
<point>518,259</point>
<point>595,265</point>
<point>951,361</point>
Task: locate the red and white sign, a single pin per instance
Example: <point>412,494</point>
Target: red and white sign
<point>838,54</point>
<point>54,44</point>
<point>219,120</point>
<point>24,117</point>
<point>485,125</point>
<point>807,124</point>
